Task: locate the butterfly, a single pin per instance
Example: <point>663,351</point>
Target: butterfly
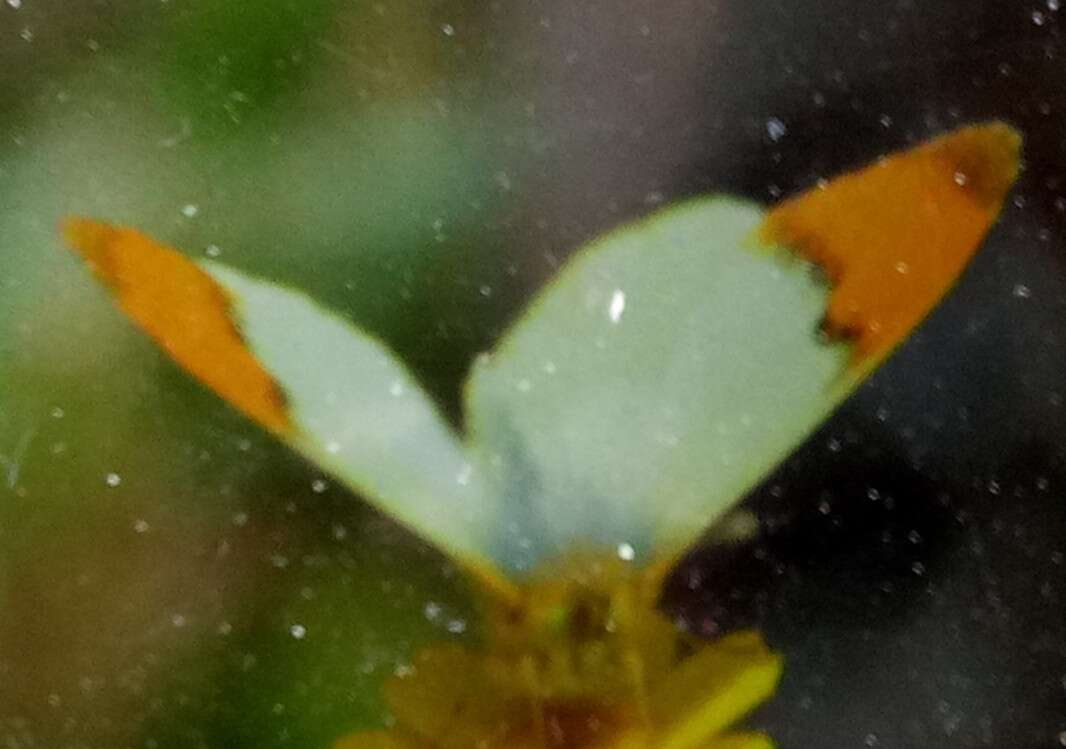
<point>669,366</point>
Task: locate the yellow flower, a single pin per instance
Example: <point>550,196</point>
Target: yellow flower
<point>580,660</point>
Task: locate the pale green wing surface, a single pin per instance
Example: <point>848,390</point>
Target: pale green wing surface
<point>357,412</point>
<point>662,374</point>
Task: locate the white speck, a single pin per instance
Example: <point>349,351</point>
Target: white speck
<point>240,519</point>
<point>447,29</point>
<point>654,197</point>
<point>463,476</point>
<point>961,179</point>
<point>298,631</point>
<point>1022,291</point>
<point>16,4</point>
<point>918,569</point>
<point>1062,738</point>
<point>886,121</point>
<point>224,628</point>
<point>396,389</point>
<point>617,306</point>
<point>549,368</point>
<point>333,447</point>
<point>279,560</point>
<point>93,45</point>
<point>1038,18</point>
<point>432,611</point>
<point>178,620</point>
<point>626,552</point>
<point>524,386</point>
<point>776,129</point>
<point>26,34</point>
<point>1053,5</point>
<point>457,626</point>
<point>213,250</point>
<point>113,480</point>
<point>189,210</point>
<point>485,291</point>
<point>902,268</point>
<point>140,526</point>
<point>319,485</point>
<point>870,740</point>
<point>824,507</point>
<point>58,413</point>
<point>340,532</point>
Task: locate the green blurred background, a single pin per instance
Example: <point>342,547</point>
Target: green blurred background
<point>168,575</point>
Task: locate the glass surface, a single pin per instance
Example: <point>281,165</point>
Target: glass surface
<point>170,576</point>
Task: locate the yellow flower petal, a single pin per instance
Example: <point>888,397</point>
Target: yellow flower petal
<point>713,689</point>
<point>451,698</point>
<point>741,741</point>
<point>376,740</point>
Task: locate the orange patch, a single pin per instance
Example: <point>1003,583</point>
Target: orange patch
<point>183,309</point>
<point>892,238</point>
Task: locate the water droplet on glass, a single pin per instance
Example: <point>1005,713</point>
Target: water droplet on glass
<point>776,129</point>
<point>617,306</point>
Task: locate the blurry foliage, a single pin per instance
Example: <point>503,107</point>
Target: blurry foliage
<point>155,549</point>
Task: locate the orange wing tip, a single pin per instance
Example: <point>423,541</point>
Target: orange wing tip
<point>892,238</point>
<point>184,310</point>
